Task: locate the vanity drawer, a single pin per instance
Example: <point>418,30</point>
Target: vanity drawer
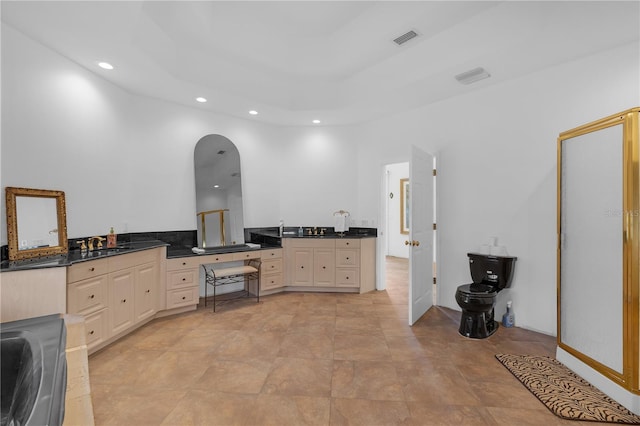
<point>348,277</point>
<point>348,257</point>
<point>246,255</point>
<point>271,266</point>
<point>271,254</point>
<point>184,297</point>
<point>270,282</point>
<point>84,270</point>
<point>347,243</point>
<point>95,326</point>
<point>186,278</point>
<point>87,296</point>
<point>215,258</point>
<point>129,260</point>
<point>183,263</point>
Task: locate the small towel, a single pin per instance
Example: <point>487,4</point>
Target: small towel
<point>340,222</point>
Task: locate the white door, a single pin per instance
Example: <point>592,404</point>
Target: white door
<point>421,233</point>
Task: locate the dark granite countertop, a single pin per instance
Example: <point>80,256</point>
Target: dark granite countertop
<point>75,256</point>
<point>293,233</point>
<point>180,251</point>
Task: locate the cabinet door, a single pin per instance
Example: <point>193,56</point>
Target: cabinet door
<point>324,267</point>
<point>146,291</point>
<point>302,266</point>
<point>87,296</point>
<point>121,291</point>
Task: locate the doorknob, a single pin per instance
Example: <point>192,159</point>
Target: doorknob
<point>412,242</point>
<point>406,243</point>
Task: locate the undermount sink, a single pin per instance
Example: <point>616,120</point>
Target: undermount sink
<point>33,369</point>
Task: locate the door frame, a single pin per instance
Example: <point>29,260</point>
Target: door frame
<point>381,246</point>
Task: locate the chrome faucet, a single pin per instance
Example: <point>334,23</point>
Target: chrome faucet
<point>99,245</point>
<point>315,230</point>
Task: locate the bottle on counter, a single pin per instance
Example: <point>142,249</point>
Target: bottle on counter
<point>112,238</point>
<point>281,228</point>
<point>300,232</point>
<point>508,319</point>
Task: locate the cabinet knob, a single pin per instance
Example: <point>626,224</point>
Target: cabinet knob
<point>148,291</point>
<point>92,296</point>
<point>92,269</point>
<point>324,267</point>
<point>184,263</point>
<point>302,267</point>
<point>124,300</point>
<point>184,279</point>
<point>347,258</point>
<point>347,277</point>
<point>184,297</point>
<point>347,243</point>
<point>91,332</point>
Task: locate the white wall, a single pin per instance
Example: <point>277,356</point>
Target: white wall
<point>127,161</point>
<point>496,150</point>
<point>395,240</point>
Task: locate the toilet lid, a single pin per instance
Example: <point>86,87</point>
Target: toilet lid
<point>477,289</point>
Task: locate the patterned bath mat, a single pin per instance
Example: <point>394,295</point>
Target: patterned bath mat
<point>565,393</point>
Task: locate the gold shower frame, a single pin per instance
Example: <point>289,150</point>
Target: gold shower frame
<point>631,248</point>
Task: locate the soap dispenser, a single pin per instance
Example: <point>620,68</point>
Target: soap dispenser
<point>508,319</point>
<point>112,238</point>
<point>281,228</point>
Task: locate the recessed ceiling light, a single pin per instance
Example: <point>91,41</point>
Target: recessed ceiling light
<point>253,112</point>
<point>316,121</point>
<point>216,186</point>
<point>105,65</point>
<point>201,99</point>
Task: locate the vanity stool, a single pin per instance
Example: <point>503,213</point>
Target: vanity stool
<point>238,274</point>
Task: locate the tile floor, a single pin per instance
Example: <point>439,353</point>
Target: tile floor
<point>315,359</point>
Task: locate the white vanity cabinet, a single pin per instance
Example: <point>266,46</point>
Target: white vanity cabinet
<point>348,263</point>
<point>114,294</point>
<point>271,270</point>
<point>183,282</point>
<point>335,264</point>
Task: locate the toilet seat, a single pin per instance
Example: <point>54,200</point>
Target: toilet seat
<point>477,289</point>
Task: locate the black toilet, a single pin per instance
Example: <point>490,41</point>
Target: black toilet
<point>490,274</point>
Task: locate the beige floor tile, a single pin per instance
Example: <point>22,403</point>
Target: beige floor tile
<point>360,347</point>
<point>424,413</point>
<point>372,380</point>
<point>234,376</point>
<point>206,408</point>
<point>368,413</point>
<point>276,410</point>
<point>299,345</point>
<point>300,377</point>
<point>248,345</point>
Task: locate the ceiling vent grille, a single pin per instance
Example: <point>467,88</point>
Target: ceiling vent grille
<point>222,151</point>
<point>405,37</point>
<point>473,75</point>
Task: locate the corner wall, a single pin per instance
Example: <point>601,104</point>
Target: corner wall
<point>496,153</point>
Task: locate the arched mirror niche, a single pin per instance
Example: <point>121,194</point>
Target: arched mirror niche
<point>219,208</point>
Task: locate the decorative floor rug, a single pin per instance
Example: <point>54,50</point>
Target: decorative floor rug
<point>565,393</point>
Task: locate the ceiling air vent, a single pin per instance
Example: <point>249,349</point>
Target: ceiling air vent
<point>222,151</point>
<point>473,75</point>
<point>405,37</point>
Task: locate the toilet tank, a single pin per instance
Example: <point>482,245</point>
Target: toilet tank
<point>496,271</point>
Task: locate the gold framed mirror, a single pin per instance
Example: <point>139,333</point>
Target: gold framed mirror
<point>36,223</point>
<point>404,206</point>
